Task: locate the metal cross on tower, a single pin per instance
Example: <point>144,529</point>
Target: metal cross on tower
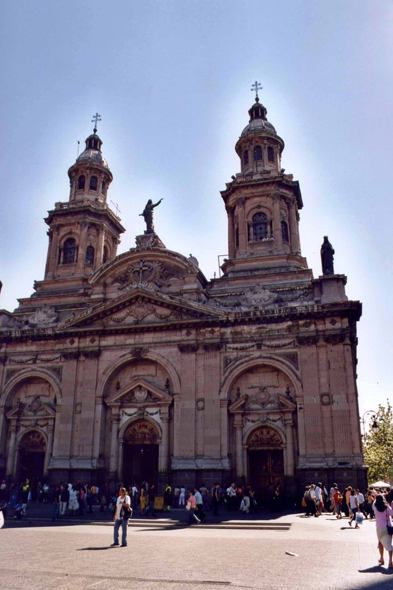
<point>255,87</point>
<point>95,120</point>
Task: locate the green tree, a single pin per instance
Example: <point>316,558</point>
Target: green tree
<point>378,447</point>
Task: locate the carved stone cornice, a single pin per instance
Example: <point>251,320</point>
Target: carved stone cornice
<point>71,356</point>
<point>335,338</point>
<point>308,340</point>
<point>212,347</point>
<point>92,354</point>
<point>187,348</point>
<point>240,201</point>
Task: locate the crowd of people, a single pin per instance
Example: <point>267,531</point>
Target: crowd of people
<point>79,499</point>
<point>356,506</point>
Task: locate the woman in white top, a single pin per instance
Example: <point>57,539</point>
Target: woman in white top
<point>123,501</point>
<point>73,505</point>
<point>354,506</point>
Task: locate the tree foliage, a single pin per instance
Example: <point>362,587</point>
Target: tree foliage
<point>378,448</point>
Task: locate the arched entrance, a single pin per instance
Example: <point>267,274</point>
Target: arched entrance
<point>265,460</point>
<point>140,453</point>
<point>31,459</point>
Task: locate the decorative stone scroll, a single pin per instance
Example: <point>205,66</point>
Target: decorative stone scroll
<point>43,317</point>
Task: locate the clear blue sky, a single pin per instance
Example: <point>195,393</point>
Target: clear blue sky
<point>172,80</point>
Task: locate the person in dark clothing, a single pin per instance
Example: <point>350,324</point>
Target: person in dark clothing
<point>216,499</point>
<point>151,496</point>
<point>56,503</point>
<point>64,499</point>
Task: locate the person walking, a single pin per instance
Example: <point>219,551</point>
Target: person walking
<point>382,513</point>
<point>123,504</point>
<point>199,504</point>
<point>354,506</point>
<point>191,506</point>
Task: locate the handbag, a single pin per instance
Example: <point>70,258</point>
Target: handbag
<point>188,506</point>
<point>389,526</point>
<point>304,503</point>
<point>126,513</point>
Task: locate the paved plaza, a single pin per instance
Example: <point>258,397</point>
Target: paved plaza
<point>330,555</point>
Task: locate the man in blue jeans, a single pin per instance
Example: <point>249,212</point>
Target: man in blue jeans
<point>123,501</point>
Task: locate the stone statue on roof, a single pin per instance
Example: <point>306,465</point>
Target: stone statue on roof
<point>147,215</point>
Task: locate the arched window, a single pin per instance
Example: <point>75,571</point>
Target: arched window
<point>81,183</point>
<point>245,157</point>
<point>93,183</point>
<point>69,251</point>
<point>105,255</point>
<point>284,231</point>
<point>257,153</point>
<point>89,255</point>
<point>259,227</point>
<point>270,154</point>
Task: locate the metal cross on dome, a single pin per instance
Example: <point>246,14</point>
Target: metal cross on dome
<point>95,120</point>
<point>255,87</point>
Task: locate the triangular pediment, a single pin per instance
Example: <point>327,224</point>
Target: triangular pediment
<point>249,404</point>
<point>140,306</point>
<point>33,409</point>
<point>139,391</point>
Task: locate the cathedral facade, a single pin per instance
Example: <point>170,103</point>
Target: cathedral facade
<point>134,366</point>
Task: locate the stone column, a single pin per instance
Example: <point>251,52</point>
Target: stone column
<point>231,232</point>
<point>11,452</point>
<point>82,246</point>
<point>294,228</point>
<point>301,426</point>
<point>242,250</point>
<point>277,223</point>
<point>224,428</point>
<point>290,450</point>
<point>49,448</point>
<point>53,251</point>
<point>239,450</point>
<point>100,247</point>
<point>120,459</point>
<point>164,446</point>
<point>113,461</point>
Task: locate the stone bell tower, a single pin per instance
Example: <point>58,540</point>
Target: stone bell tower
<point>262,204</point>
<point>83,232</point>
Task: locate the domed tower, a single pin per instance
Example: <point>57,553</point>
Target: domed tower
<point>90,176</point>
<point>83,232</point>
<point>262,204</point>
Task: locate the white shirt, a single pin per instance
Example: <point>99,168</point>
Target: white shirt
<point>231,491</point>
<point>360,497</point>
<point>119,502</point>
<point>318,493</point>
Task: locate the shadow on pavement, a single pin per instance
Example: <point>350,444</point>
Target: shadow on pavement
<point>96,548</point>
<point>377,569</point>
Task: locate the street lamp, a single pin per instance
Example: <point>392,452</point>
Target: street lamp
<point>374,426</point>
